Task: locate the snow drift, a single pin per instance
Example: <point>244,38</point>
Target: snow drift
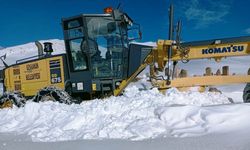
<point>136,115</point>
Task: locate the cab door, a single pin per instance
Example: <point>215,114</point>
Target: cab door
<point>77,55</point>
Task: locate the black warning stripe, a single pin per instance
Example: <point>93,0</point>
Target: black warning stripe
<point>54,64</point>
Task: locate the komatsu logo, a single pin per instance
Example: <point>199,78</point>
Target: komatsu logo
<point>223,50</point>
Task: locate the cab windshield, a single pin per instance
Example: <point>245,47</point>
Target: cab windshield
<point>105,46</point>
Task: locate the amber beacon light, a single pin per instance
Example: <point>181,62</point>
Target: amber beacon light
<point>108,10</point>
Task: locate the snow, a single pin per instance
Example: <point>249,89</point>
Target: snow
<point>179,120</point>
<point>153,44</point>
<point>137,115</point>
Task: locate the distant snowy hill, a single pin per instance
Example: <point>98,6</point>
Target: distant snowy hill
<point>27,50</point>
<point>1,47</point>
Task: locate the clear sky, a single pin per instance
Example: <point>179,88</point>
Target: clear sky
<point>25,21</point>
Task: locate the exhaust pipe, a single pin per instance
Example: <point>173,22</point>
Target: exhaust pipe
<point>39,48</point>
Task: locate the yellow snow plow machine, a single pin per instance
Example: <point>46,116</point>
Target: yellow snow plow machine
<point>101,60</point>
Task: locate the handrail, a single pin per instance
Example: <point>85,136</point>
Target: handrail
<point>24,59</point>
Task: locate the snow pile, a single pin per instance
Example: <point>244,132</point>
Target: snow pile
<point>136,115</point>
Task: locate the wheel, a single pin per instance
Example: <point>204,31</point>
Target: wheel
<point>53,94</point>
<point>9,99</point>
<point>246,93</point>
<point>6,104</point>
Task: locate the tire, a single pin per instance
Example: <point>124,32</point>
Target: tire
<point>53,94</point>
<point>8,99</point>
<point>246,93</point>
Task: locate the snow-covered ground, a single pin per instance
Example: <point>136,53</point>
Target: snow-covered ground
<point>142,118</point>
<point>136,115</point>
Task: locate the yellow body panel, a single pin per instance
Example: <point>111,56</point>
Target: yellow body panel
<point>30,77</point>
<point>201,52</point>
<point>204,81</point>
<point>215,51</point>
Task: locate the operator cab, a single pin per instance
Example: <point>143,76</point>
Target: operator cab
<point>97,50</point>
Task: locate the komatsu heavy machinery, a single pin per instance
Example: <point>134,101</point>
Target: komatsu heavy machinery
<point>100,60</point>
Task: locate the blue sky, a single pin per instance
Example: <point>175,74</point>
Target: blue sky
<point>29,20</point>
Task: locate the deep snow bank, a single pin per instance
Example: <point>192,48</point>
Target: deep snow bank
<point>136,115</point>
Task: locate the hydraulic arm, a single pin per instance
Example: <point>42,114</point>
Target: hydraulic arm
<point>210,49</point>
